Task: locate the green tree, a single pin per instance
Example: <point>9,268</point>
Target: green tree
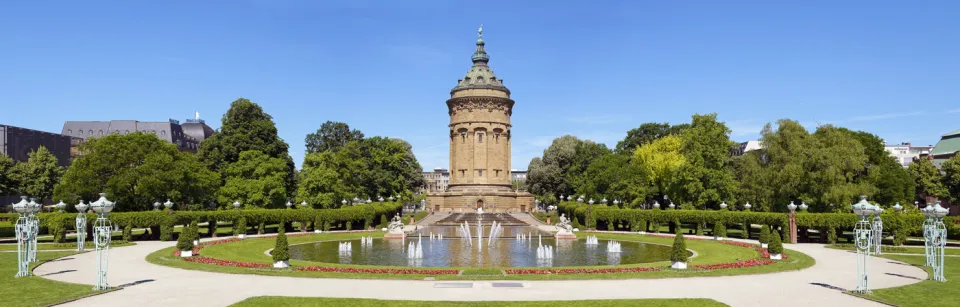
<point>613,176</point>
<point>951,178</point>
<point>245,127</point>
<point>776,243</point>
<point>331,136</point>
<point>37,176</point>
<point>835,162</point>
<point>659,162</point>
<point>646,134</point>
<point>7,185</point>
<point>558,171</point>
<point>929,181</point>
<point>764,234</point>
<point>255,180</point>
<point>706,179</point>
<point>784,157</point>
<point>754,176</point>
<point>136,170</point>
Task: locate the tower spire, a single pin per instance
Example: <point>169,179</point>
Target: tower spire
<point>480,56</point>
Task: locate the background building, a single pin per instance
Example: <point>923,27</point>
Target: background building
<point>519,176</point>
<point>946,148</point>
<point>437,180</point>
<point>17,143</point>
<point>905,153</point>
<point>187,137</point>
<point>745,147</point>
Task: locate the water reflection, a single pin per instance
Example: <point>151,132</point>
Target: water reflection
<point>503,252</point>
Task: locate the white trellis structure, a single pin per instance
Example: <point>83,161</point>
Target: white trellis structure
<point>935,237</point>
<point>81,225</point>
<point>26,234</point>
<point>102,233</point>
<point>877,230</point>
<point>863,238</point>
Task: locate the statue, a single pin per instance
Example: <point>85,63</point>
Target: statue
<point>563,227</point>
<point>396,226</point>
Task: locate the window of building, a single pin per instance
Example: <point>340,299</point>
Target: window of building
<point>163,132</point>
<point>69,131</point>
<point>496,138</point>
<point>100,132</point>
<point>90,132</point>
<point>496,173</point>
<point>80,132</point>
<point>479,137</point>
<point>480,172</point>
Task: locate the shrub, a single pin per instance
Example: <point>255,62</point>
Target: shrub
<point>679,251</point>
<point>262,228</point>
<point>241,227</point>
<point>281,251</point>
<point>831,235</point>
<point>128,233</point>
<point>383,221</point>
<point>185,242</point>
<point>719,230</point>
<point>699,229</point>
<point>656,227</point>
<point>745,230</point>
<point>764,234</point>
<point>776,245</point>
<point>349,225</point>
<point>194,230</point>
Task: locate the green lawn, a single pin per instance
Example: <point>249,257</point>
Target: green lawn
<point>927,293</point>
<point>34,290</point>
<point>264,301</point>
<point>252,250</point>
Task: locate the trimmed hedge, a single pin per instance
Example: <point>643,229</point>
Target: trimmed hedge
<point>899,224</point>
<point>166,220</point>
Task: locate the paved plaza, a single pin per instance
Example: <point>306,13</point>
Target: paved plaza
<point>145,284</point>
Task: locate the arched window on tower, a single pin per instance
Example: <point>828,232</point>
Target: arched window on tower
<point>480,138</point>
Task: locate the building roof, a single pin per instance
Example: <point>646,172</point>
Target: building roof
<point>480,74</point>
<point>948,144</point>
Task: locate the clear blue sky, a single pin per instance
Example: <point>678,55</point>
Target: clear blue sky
<point>593,69</point>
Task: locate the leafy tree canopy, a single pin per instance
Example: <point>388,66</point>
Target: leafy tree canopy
<point>331,136</point>
<point>646,134</point>
<point>37,176</point>
<point>256,181</point>
<point>136,170</point>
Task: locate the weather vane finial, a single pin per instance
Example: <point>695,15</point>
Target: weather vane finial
<point>480,31</point>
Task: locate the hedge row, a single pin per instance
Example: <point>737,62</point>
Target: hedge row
<point>602,217</point>
<point>164,221</point>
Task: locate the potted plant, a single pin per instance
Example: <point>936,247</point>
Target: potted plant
<point>678,254</point>
<point>776,246</point>
<point>184,243</point>
<point>281,251</point>
<point>764,236</point>
<point>719,231</point>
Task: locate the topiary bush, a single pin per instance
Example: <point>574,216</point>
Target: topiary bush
<point>241,227</point>
<point>383,221</point>
<point>679,251</point>
<point>281,250</point>
<point>194,231</point>
<point>262,228</point>
<point>745,231</point>
<point>128,233</point>
<point>719,230</point>
<point>764,234</point>
<point>831,235</point>
<point>776,245</point>
<point>699,229</point>
<point>185,241</point>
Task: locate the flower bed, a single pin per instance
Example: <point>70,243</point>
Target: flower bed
<point>733,265</point>
<point>581,271</point>
<point>763,251</point>
<point>239,264</point>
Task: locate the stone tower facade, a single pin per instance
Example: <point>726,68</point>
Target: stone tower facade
<point>480,108</point>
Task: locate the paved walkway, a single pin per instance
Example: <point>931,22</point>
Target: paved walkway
<point>154,285</point>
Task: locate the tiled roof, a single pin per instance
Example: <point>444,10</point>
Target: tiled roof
<point>950,143</point>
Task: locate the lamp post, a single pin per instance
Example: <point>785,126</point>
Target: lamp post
<point>897,207</point>
<point>656,204</point>
<point>102,233</point>
<point>747,206</point>
<point>81,225</point>
<point>569,197</point>
<point>343,203</point>
<point>380,199</point>
<point>60,206</point>
<point>803,206</point>
<point>288,204</point>
<point>863,240</point>
<point>168,205</point>
<point>938,239</point>
<point>792,207</point>
<point>723,205</point>
<point>23,232</point>
<point>304,204</point>
<point>236,205</point>
<point>156,206</point>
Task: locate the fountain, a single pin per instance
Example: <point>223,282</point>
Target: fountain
<point>345,247</point>
<point>366,241</point>
<point>415,250</point>
<point>613,246</point>
<point>592,240</point>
